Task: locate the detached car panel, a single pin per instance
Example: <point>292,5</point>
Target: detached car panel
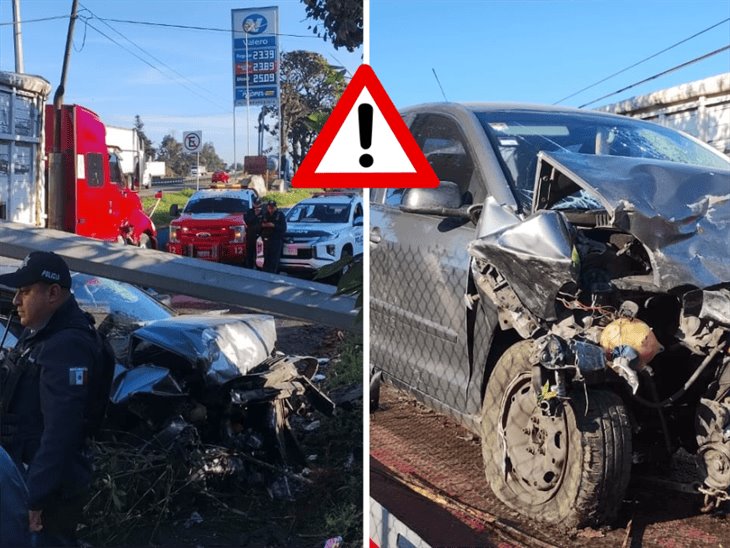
<point>571,305</point>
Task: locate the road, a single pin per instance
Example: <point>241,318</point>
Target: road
<point>424,453</point>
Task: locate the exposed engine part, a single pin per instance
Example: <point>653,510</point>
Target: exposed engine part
<point>708,304</point>
<point>713,498</point>
<point>556,353</point>
<point>718,347</point>
<point>702,317</point>
<point>625,363</point>
<point>634,334</point>
<point>511,312</point>
<point>629,309</point>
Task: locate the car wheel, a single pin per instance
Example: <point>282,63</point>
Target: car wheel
<point>571,468</point>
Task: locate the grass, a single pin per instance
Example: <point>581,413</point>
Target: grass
<point>162,217</point>
<point>338,511</point>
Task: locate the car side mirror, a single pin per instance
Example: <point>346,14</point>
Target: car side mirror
<point>444,201</point>
<point>174,210</point>
<point>357,221</point>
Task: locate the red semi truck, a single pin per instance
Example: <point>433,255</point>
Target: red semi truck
<point>87,191</point>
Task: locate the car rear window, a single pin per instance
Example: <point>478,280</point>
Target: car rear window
<point>216,205</point>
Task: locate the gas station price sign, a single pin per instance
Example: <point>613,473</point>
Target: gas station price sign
<point>255,56</point>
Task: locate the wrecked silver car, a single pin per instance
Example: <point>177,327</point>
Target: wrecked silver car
<point>216,374</point>
<point>565,294</point>
<point>219,374</point>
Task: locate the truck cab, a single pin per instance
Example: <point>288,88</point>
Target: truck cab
<point>87,192</point>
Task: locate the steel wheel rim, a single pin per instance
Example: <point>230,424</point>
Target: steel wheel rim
<point>534,446</point>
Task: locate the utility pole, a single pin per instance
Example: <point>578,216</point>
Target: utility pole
<point>56,197</point>
<point>18,39</point>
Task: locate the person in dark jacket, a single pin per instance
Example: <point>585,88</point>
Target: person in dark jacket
<point>252,218</point>
<point>13,504</point>
<point>273,228</point>
<point>45,396</point>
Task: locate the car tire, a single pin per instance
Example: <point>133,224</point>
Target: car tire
<point>570,469</point>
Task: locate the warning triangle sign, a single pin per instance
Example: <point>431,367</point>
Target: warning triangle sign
<point>365,143</point>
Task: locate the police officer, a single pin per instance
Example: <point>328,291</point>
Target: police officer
<point>252,218</point>
<point>45,395</point>
<point>273,228</point>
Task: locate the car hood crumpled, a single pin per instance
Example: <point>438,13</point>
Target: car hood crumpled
<point>680,212</point>
<point>225,347</point>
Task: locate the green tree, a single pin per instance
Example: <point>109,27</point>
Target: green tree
<point>341,21</point>
<point>179,163</point>
<point>149,150</point>
<point>171,152</point>
<point>209,158</point>
<point>310,88</point>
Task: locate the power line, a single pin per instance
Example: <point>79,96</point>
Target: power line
<point>642,61</point>
<point>193,27</point>
<point>36,20</point>
<point>145,61</point>
<point>147,53</point>
<point>696,59</point>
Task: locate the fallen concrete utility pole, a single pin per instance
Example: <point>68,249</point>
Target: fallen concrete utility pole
<point>280,295</point>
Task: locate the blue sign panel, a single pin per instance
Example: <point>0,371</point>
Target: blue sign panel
<point>257,79</point>
<point>255,56</point>
<point>259,95</point>
<point>254,42</point>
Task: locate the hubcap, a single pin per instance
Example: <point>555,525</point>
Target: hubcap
<point>535,444</point>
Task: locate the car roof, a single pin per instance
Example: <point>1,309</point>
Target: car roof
<point>475,107</point>
<point>333,198</point>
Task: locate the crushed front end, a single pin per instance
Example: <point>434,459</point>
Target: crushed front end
<point>621,278</point>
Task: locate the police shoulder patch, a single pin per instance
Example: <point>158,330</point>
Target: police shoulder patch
<point>78,376</point>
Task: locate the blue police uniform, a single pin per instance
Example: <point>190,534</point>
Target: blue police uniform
<point>273,240</point>
<point>253,229</point>
<point>43,426</point>
<point>13,504</point>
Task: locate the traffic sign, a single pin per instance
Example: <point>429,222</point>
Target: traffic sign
<point>365,143</point>
<point>192,141</point>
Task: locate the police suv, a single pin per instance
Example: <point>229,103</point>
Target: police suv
<point>322,229</point>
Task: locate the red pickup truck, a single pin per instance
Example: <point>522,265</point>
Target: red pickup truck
<point>211,226</point>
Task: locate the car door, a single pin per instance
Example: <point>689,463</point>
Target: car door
<point>419,272</point>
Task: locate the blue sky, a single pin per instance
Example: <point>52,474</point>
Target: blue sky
<point>483,50</point>
<point>540,51</point>
<point>117,85</point>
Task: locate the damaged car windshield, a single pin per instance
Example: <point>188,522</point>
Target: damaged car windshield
<point>102,297</point>
<point>519,135</point>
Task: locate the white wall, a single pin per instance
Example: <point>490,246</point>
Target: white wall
<point>700,108</point>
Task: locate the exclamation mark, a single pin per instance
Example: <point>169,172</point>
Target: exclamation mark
<point>365,119</point>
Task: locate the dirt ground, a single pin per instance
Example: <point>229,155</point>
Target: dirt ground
<point>416,444</point>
